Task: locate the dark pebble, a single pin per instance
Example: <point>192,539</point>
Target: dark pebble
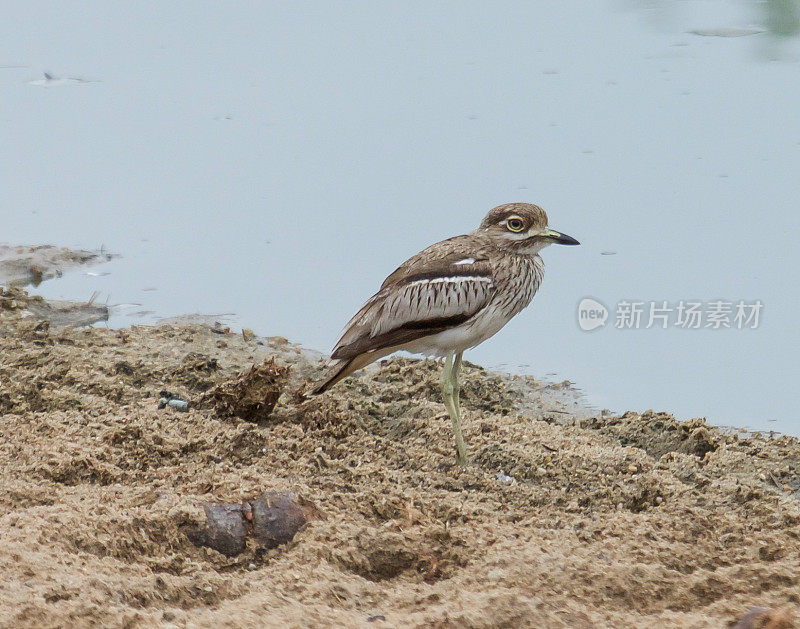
<point>224,530</point>
<point>277,516</point>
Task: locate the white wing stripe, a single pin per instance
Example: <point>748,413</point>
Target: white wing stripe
<point>456,279</point>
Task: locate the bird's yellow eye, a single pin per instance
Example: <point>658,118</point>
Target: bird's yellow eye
<point>515,224</point>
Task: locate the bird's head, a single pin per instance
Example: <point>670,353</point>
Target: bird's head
<point>522,228</point>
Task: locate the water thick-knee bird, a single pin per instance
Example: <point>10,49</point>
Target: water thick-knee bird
<point>449,298</point>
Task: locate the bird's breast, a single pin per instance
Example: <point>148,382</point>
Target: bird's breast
<point>517,283</point>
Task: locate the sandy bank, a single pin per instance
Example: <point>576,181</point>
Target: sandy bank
<point>562,520</point>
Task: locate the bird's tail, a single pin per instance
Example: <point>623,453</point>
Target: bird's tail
<point>339,369</point>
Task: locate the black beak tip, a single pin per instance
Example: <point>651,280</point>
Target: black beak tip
<point>567,240</point>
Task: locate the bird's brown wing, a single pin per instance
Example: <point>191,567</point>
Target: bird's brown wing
<point>439,288</point>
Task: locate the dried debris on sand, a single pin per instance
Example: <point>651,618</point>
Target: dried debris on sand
<point>251,396</point>
<point>561,520</point>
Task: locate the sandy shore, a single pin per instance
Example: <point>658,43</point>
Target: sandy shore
<point>562,520</point>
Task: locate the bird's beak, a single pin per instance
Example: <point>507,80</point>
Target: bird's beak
<point>558,237</point>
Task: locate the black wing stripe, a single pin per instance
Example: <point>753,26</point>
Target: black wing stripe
<point>406,333</point>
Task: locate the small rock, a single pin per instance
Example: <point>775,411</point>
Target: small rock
<point>633,469</point>
<point>176,403</point>
<point>224,530</point>
<point>219,328</point>
<point>277,516</point>
<point>766,618</point>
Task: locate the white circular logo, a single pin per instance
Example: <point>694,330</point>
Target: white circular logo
<point>591,314</point>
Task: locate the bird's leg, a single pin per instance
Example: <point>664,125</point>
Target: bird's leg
<point>450,389</point>
<point>460,444</point>
<point>457,383</point>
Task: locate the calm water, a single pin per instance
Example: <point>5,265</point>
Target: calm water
<point>277,161</point>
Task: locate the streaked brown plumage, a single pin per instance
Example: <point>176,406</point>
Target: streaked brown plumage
<point>451,296</point>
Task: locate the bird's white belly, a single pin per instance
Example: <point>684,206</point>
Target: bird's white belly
<point>469,334</point>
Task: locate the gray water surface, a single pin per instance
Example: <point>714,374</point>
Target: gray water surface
<point>278,160</point>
